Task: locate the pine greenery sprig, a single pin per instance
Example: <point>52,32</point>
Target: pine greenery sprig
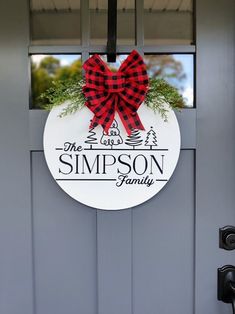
<point>160,96</point>
<point>69,91</point>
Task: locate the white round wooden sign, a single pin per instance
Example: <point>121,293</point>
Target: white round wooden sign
<point>111,171</point>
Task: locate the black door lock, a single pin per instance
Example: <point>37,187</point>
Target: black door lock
<point>227,238</point>
<point>226,285</point>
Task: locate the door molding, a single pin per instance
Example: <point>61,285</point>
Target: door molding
<point>215,154</point>
<point>16,284</point>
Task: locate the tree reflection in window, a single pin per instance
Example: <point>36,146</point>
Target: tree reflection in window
<point>176,69</point>
<point>48,68</point>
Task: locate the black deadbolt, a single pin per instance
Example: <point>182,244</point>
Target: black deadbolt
<point>227,238</point>
<point>226,285</point>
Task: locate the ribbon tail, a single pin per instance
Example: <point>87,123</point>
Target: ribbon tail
<point>105,121</point>
<point>108,124</point>
<point>131,122</point>
<point>94,123</point>
<point>110,115</point>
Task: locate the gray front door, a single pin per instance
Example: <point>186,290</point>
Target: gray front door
<point>58,256</point>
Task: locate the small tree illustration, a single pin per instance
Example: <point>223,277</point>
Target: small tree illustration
<point>151,139</point>
<point>91,138</point>
<point>113,137</point>
<point>134,139</point>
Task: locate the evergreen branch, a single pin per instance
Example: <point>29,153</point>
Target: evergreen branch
<point>69,91</point>
<point>160,97</point>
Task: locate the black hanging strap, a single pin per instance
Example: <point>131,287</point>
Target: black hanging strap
<point>112,30</point>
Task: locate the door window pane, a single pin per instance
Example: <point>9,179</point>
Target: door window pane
<point>55,22</point>
<point>48,68</point>
<point>177,70</point>
<point>114,66</point>
<point>125,22</point>
<point>98,22</point>
<point>168,22</point>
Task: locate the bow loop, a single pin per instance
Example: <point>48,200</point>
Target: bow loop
<point>123,91</point>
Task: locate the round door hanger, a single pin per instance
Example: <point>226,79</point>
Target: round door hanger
<point>111,171</point>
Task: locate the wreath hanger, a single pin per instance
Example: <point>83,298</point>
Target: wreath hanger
<point>112,31</point>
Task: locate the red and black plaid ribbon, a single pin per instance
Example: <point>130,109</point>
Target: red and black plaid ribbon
<point>123,91</point>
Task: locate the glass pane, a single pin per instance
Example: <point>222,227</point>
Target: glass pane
<point>48,68</point>
<point>168,22</point>
<point>55,22</point>
<point>125,22</point>
<point>114,66</point>
<point>98,21</point>
<point>177,70</point>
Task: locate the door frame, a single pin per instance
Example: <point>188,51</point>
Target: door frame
<point>21,131</point>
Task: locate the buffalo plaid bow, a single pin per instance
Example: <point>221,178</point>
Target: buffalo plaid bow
<point>123,91</point>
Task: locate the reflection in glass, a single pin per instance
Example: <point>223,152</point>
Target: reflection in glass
<point>48,68</point>
<point>114,66</point>
<point>176,69</point>
<point>168,22</point>
<point>55,22</point>
<point>125,22</point>
<point>98,21</point>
